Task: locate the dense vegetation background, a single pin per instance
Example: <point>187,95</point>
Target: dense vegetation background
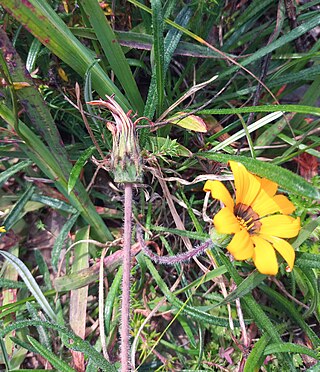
<point>210,81</point>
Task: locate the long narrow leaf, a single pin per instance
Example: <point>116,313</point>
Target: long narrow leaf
<point>113,52</point>
<point>253,127</point>
<point>255,311</point>
<point>78,344</point>
<point>30,282</point>
<point>60,240</point>
<point>14,214</point>
<point>13,170</point>
<point>291,348</point>
<point>292,312</point>
<point>46,25</point>
<point>171,42</point>
<point>193,312</point>
<point>263,108</point>
<point>158,51</point>
<point>246,286</point>
<point>41,155</point>
<point>283,177</point>
<point>49,356</point>
<point>292,35</point>
<point>77,168</point>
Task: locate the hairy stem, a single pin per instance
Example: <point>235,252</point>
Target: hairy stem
<point>125,306</point>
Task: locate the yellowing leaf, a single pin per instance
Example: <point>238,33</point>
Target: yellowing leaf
<point>20,85</point>
<point>191,122</point>
<point>63,74</point>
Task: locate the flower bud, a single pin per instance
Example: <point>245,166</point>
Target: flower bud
<point>219,239</point>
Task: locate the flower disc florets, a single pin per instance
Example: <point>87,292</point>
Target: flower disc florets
<point>258,219</point>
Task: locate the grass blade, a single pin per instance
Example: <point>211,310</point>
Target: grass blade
<point>46,25</point>
<point>79,297</point>
<point>43,158</point>
<point>158,51</point>
<point>13,170</point>
<point>30,282</point>
<point>59,242</point>
<point>288,347</point>
<point>113,52</point>
<point>193,312</point>
<point>14,214</point>
<point>49,356</point>
<point>77,168</point>
<point>292,312</point>
<point>78,344</point>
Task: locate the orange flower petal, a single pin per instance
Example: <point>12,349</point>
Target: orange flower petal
<point>225,222</point>
<point>264,256</point>
<point>247,185</point>
<point>220,192</point>
<point>268,186</point>
<point>285,205</point>
<point>263,204</point>
<point>241,246</point>
<point>280,225</point>
<point>208,186</point>
<point>285,249</point>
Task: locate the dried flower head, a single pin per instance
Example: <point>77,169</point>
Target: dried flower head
<point>125,155</point>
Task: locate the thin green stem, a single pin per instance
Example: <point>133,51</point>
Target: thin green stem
<point>125,306</point>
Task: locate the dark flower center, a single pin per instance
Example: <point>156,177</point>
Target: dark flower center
<point>247,218</point>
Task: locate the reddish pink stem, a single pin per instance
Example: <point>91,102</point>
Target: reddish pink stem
<point>125,306</point>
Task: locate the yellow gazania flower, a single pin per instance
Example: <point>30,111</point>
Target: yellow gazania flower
<point>2,229</point>
<point>251,218</point>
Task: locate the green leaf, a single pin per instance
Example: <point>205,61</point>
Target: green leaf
<point>7,283</point>
<point>15,212</point>
<point>53,203</point>
<point>171,42</point>
<point>281,41</point>
<point>189,234</point>
<point>46,25</point>
<point>289,347</point>
<point>245,287</point>
<point>158,51</point>
<point>307,260</point>
<point>79,297</point>
<point>30,282</point>
<point>256,357</point>
<point>292,312</point>
<point>113,52</point>
<point>204,279</point>
<point>111,298</point>
<point>60,240</point>
<point>144,41</point>
<point>13,170</point>
<point>77,168</point>
<point>283,177</point>
<point>44,337</point>
<point>306,232</point>
<point>41,155</point>
<point>33,55</point>
<point>167,147</point>
<point>192,311</point>
<point>301,109</point>
<point>78,344</point>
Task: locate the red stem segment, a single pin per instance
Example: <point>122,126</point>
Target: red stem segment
<point>125,306</point>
